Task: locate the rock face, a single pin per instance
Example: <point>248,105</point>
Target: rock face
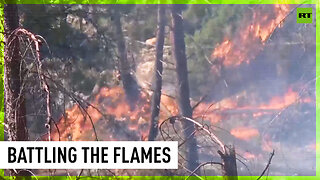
<point>145,69</point>
<point>145,73</point>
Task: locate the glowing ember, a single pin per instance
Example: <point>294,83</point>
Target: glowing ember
<point>245,133</point>
<point>250,40</point>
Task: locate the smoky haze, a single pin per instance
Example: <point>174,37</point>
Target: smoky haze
<point>251,69</point>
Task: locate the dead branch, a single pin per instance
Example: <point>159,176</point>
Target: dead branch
<point>79,175</point>
<point>200,127</point>
<point>204,164</point>
<point>267,167</point>
<point>244,165</point>
<point>37,43</point>
<point>190,171</point>
<point>185,140</point>
<point>80,102</point>
<point>199,102</point>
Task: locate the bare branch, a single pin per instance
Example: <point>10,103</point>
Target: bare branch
<point>267,167</point>
<point>199,102</point>
<point>203,164</point>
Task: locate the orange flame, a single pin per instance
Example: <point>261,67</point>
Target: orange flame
<point>214,111</point>
<point>109,101</point>
<point>245,133</point>
<point>281,102</point>
<point>250,40</point>
<point>76,124</point>
<point>112,102</point>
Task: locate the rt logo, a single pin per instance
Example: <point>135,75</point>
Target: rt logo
<point>304,15</point>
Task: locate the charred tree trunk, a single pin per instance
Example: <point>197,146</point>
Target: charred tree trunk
<point>183,86</point>
<point>129,82</point>
<point>15,110</point>
<point>156,96</point>
<point>229,170</point>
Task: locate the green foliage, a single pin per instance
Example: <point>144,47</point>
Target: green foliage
<point>206,27</point>
<point>51,22</point>
<point>141,23</point>
<point>73,34</point>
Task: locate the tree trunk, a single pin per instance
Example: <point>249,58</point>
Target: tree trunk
<point>129,83</point>
<point>156,96</point>
<point>14,100</point>
<point>15,110</point>
<point>183,86</point>
<point>229,170</point>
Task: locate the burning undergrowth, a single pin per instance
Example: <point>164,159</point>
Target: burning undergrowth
<point>245,125</point>
<point>110,107</point>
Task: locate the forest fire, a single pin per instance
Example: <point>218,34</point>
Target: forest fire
<point>249,40</point>
<point>222,83</point>
<point>246,45</point>
<point>112,103</point>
